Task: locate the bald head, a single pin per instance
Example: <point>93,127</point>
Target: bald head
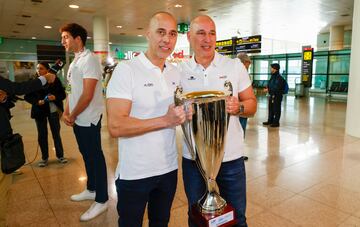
<point>202,38</point>
<point>202,19</point>
<point>159,16</point>
<point>161,35</point>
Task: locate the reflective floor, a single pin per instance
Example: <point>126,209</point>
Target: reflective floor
<point>304,173</point>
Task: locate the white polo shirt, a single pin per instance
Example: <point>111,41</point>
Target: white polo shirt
<point>194,77</point>
<point>85,65</point>
<point>151,92</point>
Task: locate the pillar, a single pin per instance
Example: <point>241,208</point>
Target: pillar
<point>336,41</point>
<point>101,37</point>
<point>352,125</point>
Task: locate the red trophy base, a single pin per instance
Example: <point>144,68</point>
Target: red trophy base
<point>226,218</point>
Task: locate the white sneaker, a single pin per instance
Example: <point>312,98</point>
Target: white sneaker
<point>85,195</point>
<point>94,210</point>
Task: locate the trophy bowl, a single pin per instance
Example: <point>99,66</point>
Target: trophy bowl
<point>205,136</point>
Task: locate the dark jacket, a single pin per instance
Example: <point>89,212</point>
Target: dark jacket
<point>5,126</point>
<point>14,88</point>
<point>276,84</point>
<point>41,111</point>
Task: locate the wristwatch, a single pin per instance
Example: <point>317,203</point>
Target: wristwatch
<point>241,109</point>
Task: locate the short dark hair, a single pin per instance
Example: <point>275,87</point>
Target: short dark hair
<point>75,30</point>
<point>45,64</point>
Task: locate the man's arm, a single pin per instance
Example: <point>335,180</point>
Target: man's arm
<point>16,88</point>
<point>245,98</point>
<point>120,124</point>
<point>85,98</point>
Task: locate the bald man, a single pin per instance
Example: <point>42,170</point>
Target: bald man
<point>208,70</point>
<point>141,111</point>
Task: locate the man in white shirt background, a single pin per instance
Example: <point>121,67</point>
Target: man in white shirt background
<point>83,111</point>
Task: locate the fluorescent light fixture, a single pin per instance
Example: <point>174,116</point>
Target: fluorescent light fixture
<point>140,35</point>
<point>178,6</point>
<point>47,27</point>
<point>33,37</point>
<point>118,26</point>
<point>74,6</point>
<point>110,42</point>
<point>89,37</point>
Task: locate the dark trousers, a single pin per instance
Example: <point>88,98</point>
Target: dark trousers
<point>157,192</point>
<point>274,109</point>
<point>231,181</point>
<point>41,124</point>
<point>89,142</point>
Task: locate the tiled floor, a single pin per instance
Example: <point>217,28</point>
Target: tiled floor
<point>304,173</point>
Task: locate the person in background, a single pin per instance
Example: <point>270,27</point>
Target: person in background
<point>47,105</point>
<point>7,90</point>
<point>208,70</point>
<point>275,89</point>
<point>83,111</point>
<point>141,110</point>
<point>245,59</point>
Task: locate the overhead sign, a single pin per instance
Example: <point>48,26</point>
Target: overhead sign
<point>183,28</point>
<point>250,44</point>
<point>307,65</point>
<point>225,47</point>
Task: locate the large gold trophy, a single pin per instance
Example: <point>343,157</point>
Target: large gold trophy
<point>205,137</point>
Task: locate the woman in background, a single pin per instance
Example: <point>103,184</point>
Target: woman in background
<point>47,104</point>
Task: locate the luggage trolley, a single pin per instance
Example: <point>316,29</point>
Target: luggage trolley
<point>299,88</point>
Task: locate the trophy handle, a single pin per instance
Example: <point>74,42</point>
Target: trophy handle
<point>186,126</point>
<point>228,86</point>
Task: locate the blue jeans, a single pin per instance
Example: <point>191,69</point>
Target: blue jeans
<point>89,142</point>
<point>133,195</point>
<point>231,181</point>
<point>243,123</point>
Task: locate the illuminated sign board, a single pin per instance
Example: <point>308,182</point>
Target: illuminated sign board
<point>225,47</point>
<point>307,65</point>
<point>183,28</point>
<point>250,44</point>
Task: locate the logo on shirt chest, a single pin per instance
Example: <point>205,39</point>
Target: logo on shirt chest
<point>222,77</point>
<point>149,85</point>
<point>191,78</point>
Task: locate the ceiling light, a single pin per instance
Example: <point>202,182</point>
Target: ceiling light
<point>33,37</point>
<point>110,43</point>
<point>89,37</point>
<point>74,6</point>
<point>118,26</point>
<point>140,35</point>
<point>47,27</point>
<point>178,6</point>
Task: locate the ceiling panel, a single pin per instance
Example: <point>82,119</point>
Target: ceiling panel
<point>291,20</point>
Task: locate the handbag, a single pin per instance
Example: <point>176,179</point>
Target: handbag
<point>12,153</point>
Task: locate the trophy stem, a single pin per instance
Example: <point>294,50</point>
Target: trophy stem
<point>211,203</point>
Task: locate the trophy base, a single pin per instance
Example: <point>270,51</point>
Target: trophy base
<point>226,218</point>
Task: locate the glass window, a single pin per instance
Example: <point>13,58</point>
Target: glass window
<point>339,64</point>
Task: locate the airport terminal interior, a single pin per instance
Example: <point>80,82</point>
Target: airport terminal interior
<point>303,173</point>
